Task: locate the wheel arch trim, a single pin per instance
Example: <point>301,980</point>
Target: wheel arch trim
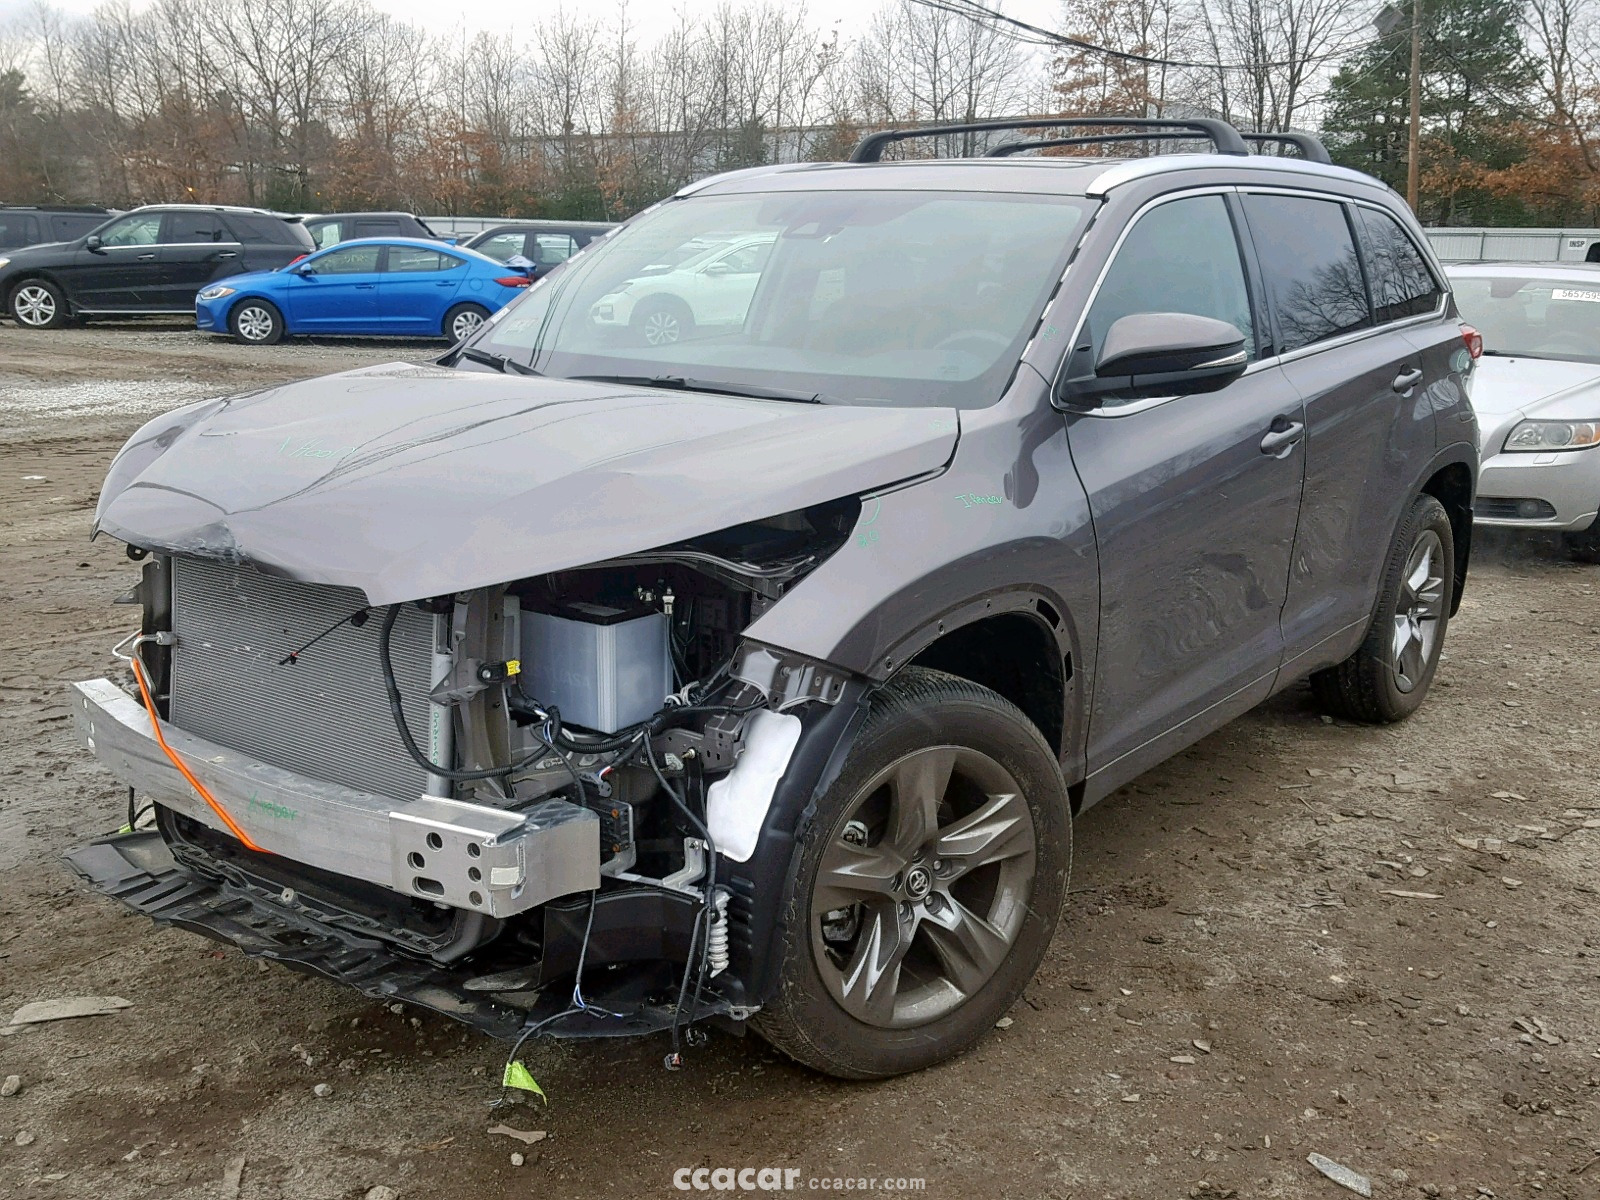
<point>41,275</point>
<point>1457,503</point>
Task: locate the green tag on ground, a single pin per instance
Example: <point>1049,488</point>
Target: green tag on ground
<point>517,1076</point>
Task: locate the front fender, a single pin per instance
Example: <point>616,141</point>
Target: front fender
<point>1005,527</point>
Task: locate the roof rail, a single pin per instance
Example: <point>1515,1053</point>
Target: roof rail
<point>1311,148</point>
<point>1222,135</point>
<point>1007,149</point>
<point>58,208</point>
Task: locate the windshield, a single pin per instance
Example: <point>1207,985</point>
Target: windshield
<point>903,298</point>
<point>1535,318</point>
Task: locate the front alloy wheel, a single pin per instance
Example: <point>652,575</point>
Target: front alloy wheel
<point>928,883</point>
<point>254,324</point>
<point>37,305</point>
<point>921,897</point>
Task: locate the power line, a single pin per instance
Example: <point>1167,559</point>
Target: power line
<point>972,10</point>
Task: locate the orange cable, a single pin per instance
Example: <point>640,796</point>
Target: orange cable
<point>155,723</point>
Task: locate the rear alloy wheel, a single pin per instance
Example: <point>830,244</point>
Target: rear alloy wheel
<point>929,884</point>
<point>662,322</point>
<point>256,323</point>
<point>464,320</point>
<point>38,304</point>
<point>1387,678</point>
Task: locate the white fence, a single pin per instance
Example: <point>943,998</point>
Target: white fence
<point>1514,245</point>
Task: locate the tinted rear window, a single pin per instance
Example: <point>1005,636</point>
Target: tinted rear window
<point>258,227</point>
<point>1308,259</point>
<point>1402,285</point>
<point>65,228</point>
<point>185,227</point>
<point>17,229</point>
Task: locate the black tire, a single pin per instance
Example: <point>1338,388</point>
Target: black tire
<point>462,321</point>
<point>918,720</point>
<point>38,304</point>
<point>1584,547</point>
<point>662,321</point>
<point>1381,683</point>
<point>256,322</point>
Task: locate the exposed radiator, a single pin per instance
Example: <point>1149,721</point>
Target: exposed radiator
<point>324,715</point>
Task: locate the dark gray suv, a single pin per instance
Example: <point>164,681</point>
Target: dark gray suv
<point>590,682</point>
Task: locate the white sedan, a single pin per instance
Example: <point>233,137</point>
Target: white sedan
<point>1537,395</point>
<point>710,289</point>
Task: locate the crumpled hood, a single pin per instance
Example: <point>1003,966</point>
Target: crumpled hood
<point>411,481</point>
<point>1562,390</point>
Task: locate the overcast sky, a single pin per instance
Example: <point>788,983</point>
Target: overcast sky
<point>650,17</point>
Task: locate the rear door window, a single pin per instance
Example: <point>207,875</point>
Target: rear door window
<point>502,246</point>
<point>64,229</point>
<point>414,259</point>
<point>1308,260</point>
<point>377,228</point>
<point>1402,285</point>
<point>187,227</point>
<point>1182,257</point>
<point>552,249</point>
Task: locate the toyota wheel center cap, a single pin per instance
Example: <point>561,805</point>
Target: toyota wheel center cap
<point>919,882</point>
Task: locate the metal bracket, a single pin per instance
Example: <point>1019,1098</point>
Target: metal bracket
<point>474,857</point>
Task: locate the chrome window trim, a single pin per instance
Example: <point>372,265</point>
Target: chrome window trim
<point>1355,334</point>
<point>168,245</point>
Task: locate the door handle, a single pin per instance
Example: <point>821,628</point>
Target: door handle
<point>1282,437</point>
<point>229,254</point>
<point>1407,379</point>
<point>146,257</point>
<point>365,287</point>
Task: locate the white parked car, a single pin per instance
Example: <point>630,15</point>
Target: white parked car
<point>709,289</point>
<point>1537,395</point>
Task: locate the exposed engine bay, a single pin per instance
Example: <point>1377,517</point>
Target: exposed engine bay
<point>574,737</point>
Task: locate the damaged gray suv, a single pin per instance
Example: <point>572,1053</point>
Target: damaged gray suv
<point>746,660</point>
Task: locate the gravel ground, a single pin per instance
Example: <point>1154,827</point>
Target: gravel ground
<point>1298,937</point>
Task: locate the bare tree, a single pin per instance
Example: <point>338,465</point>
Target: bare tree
<point>920,63</point>
<point>1268,52</point>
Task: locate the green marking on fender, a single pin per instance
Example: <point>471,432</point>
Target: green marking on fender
<point>310,449</point>
<point>281,812</point>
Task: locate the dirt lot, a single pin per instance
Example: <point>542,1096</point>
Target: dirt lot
<point>1237,982</point>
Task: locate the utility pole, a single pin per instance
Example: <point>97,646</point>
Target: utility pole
<point>1413,152</point>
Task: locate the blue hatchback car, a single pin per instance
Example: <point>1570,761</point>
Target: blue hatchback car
<point>402,287</point>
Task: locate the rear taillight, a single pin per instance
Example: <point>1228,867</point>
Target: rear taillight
<point>513,281</point>
<point>294,260</point>
<point>1474,341</point>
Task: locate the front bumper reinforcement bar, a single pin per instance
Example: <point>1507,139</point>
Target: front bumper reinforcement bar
<point>467,856</point>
